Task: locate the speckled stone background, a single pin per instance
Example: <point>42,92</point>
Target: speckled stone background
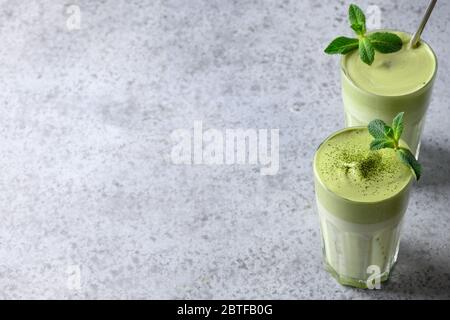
<point>87,187</point>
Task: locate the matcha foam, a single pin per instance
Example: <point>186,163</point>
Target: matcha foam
<point>348,168</point>
<point>392,74</point>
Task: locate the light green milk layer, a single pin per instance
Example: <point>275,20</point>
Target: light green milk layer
<point>393,74</point>
<point>348,168</point>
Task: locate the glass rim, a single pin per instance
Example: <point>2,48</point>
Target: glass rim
<point>366,92</point>
<point>334,194</point>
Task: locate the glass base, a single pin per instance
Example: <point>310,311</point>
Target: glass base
<point>351,282</point>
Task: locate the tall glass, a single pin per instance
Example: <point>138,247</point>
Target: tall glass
<point>359,238</point>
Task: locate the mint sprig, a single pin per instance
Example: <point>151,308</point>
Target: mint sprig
<point>384,42</point>
<point>389,137</point>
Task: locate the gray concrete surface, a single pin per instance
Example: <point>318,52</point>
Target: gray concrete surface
<point>91,205</point>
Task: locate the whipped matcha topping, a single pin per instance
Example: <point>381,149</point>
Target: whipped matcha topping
<point>348,167</point>
<point>397,73</point>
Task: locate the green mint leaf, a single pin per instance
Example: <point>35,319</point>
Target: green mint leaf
<point>378,144</point>
<point>359,29</point>
<point>385,42</point>
<point>397,126</point>
<point>408,158</point>
<point>376,129</point>
<point>389,132</point>
<point>357,19</point>
<point>342,45</point>
<point>366,51</point>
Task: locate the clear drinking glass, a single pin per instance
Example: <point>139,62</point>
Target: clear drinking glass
<point>359,236</point>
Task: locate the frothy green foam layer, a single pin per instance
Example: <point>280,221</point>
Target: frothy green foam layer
<point>393,74</point>
<point>348,168</point>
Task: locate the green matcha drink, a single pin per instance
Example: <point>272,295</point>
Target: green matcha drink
<point>394,82</point>
<point>361,197</point>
